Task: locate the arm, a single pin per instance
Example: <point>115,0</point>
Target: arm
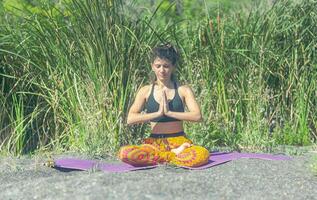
<point>135,115</point>
<point>193,114</point>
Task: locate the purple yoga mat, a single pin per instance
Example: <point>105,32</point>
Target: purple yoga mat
<point>216,158</point>
<point>69,164</point>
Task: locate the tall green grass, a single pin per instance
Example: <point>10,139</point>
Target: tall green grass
<point>68,76</point>
<point>258,73</point>
<point>80,68</point>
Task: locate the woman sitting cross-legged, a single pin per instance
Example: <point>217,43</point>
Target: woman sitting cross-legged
<point>164,101</point>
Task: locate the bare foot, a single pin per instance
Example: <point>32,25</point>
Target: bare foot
<point>181,148</point>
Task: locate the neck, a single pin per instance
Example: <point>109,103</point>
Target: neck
<point>167,83</point>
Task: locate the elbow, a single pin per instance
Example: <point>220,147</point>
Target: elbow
<point>129,121</point>
<point>132,119</point>
<point>198,118</point>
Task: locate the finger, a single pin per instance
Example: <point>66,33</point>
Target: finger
<point>164,95</point>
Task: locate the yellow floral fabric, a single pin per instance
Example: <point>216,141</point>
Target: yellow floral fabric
<point>155,151</point>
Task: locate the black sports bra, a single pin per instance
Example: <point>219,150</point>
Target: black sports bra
<point>176,104</point>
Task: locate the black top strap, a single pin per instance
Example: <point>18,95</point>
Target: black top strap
<point>176,89</point>
<point>152,90</point>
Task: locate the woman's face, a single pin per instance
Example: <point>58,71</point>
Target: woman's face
<point>163,69</point>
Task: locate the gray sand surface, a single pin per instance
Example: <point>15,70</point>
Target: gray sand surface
<point>26,178</point>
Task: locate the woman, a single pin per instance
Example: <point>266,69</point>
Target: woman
<point>164,101</point>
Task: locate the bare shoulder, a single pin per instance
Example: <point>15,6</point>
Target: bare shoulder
<point>185,90</point>
<point>144,91</point>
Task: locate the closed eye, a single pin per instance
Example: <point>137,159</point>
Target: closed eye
<point>165,66</point>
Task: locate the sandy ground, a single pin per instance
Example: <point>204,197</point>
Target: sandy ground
<point>26,178</point>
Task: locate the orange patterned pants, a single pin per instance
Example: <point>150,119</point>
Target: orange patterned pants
<point>155,151</point>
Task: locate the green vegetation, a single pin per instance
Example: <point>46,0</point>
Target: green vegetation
<point>69,71</point>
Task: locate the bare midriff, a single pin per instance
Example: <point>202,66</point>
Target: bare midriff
<point>166,127</point>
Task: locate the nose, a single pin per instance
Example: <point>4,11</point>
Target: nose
<point>162,69</point>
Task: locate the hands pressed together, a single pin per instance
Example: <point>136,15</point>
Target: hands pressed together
<point>164,108</point>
